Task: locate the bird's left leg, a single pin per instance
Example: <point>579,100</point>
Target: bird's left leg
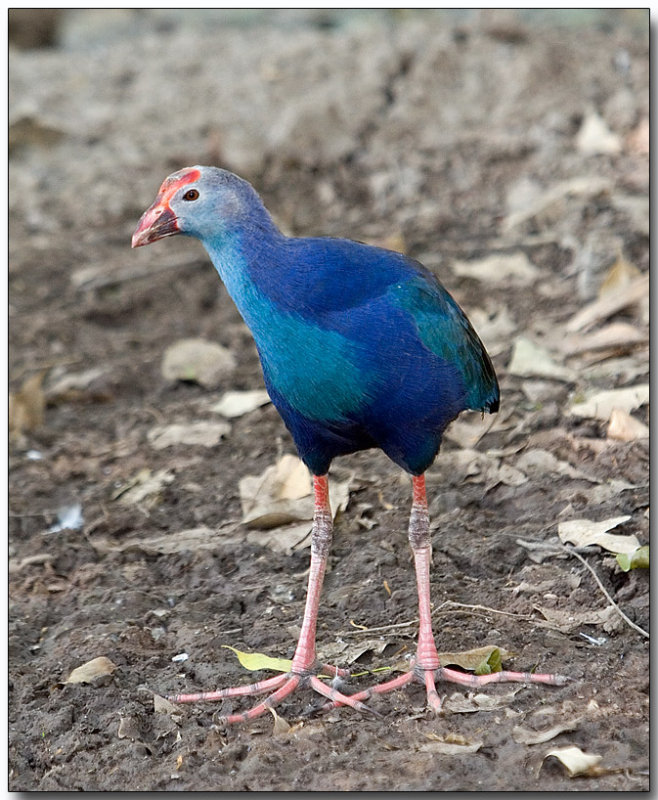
<point>304,668</point>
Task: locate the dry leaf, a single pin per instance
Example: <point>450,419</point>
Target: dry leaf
<point>474,658</point>
<point>595,138</point>
<point>283,539</point>
<point>96,668</point>
<point>348,651</point>
<point>197,360</point>
<point>576,762</point>
<point>610,304</point>
<point>512,268</point>
<point>551,202</point>
<point>206,434</point>
<point>129,728</point>
<point>449,745</point>
<point>458,703</point>
<point>74,386</point>
<point>567,620</point>
<point>528,736</point>
<point>537,463</point>
<point>601,405</point>
<point>530,359</point>
<point>235,404</point>
<point>191,540</point>
<point>162,706</point>
<point>473,466</point>
<point>281,726</point>
<point>625,428</point>
<point>145,488</point>
<point>616,336</point>
<point>283,494</point>
<point>26,406</point>
<point>584,532</point>
<point>620,274</point>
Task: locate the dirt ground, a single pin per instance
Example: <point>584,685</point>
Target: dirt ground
<point>455,139</point>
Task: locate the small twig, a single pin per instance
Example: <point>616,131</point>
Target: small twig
<point>628,621</point>
<point>381,628</point>
<point>488,609</point>
<point>449,606</point>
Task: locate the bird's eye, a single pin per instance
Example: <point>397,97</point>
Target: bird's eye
<point>191,194</point>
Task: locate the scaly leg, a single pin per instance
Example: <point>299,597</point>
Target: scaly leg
<point>426,668</point>
<point>303,668</point>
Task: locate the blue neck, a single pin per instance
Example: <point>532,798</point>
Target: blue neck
<point>232,254</point>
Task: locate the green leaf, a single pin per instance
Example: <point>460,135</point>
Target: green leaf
<point>638,558</point>
<point>492,663</point>
<point>256,661</point>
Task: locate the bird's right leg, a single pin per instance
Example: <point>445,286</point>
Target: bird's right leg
<point>304,668</point>
<point>426,667</point>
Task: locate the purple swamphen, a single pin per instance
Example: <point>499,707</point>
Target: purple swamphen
<point>360,347</point>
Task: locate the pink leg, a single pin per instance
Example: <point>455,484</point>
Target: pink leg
<point>426,668</point>
<point>304,661</point>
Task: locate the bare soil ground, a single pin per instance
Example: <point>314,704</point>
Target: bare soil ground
<point>455,142</point>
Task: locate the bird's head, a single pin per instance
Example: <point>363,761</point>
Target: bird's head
<point>196,201</point>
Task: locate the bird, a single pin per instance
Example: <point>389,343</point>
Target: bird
<point>361,347</point>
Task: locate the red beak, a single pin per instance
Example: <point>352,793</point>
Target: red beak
<point>157,222</point>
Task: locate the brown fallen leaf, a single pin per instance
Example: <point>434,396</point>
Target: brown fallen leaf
<point>515,268</point>
<point>569,620</point>
<point>458,703</point>
<point>538,463</point>
<point>193,540</point>
<point>284,539</point>
<point>551,203</point>
<point>202,433</point>
<point>625,428</point>
<point>530,359</point>
<point>197,360</point>
<point>162,706</point>
<point>26,406</point>
<point>636,291</point>
<point>601,404</point>
<point>347,652</point>
<point>129,728</point>
<point>145,488</point>
<point>595,138</point>
<point>282,494</point>
<point>620,274</point>
<point>528,736</point>
<point>281,726</point>
<point>92,670</point>
<point>576,761</point>
<point>617,337</point>
<point>585,532</point>
<point>74,387</point>
<point>235,404</point>
<point>452,744</point>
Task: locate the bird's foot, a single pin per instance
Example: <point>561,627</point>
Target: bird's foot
<point>430,677</point>
<point>281,686</point>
